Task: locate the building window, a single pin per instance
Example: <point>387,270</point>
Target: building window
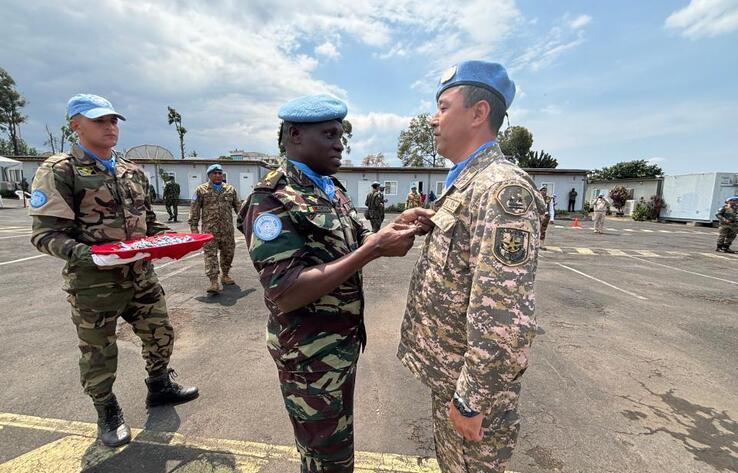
<point>439,187</point>
<point>390,187</point>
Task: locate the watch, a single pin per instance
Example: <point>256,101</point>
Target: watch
<point>463,409</point>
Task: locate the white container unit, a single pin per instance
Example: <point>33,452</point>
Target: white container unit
<point>697,197</point>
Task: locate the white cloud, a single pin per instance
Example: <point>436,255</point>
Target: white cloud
<point>705,18</point>
<point>328,50</point>
<point>580,22</point>
<point>376,132</point>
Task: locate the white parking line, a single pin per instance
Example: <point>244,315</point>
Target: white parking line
<point>25,235</point>
<point>22,259</point>
<point>683,270</point>
<point>603,282</point>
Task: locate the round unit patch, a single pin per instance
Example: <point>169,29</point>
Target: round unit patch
<point>267,227</point>
<point>38,199</point>
<point>448,74</point>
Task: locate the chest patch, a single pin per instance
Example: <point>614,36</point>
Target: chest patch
<point>515,199</point>
<point>512,246</point>
<point>267,227</point>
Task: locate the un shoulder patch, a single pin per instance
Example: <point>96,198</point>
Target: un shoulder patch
<point>515,199</point>
<point>267,227</point>
<point>511,246</point>
<point>38,199</point>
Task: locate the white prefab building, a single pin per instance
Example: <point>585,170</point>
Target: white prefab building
<point>637,188</point>
<point>697,197</point>
<point>243,174</point>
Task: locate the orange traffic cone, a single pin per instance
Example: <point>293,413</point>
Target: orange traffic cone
<point>575,223</point>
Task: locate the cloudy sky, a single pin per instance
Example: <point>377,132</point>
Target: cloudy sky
<point>598,82</point>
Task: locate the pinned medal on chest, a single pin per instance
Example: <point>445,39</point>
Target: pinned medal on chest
<point>167,245</point>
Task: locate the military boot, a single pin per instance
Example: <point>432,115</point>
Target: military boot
<point>162,390</point>
<point>726,249</point>
<point>111,428</point>
<point>226,280</point>
<point>214,286</point>
<point>719,249</point>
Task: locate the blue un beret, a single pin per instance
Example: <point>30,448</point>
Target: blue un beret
<point>313,109</point>
<point>214,167</point>
<point>91,106</point>
<point>490,75</point>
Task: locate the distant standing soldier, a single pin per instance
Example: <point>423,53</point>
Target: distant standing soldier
<point>413,198</point>
<point>308,246</point>
<point>728,218</point>
<point>469,320</point>
<point>545,215</point>
<point>599,209</point>
<point>91,196</point>
<point>375,207</point>
<point>171,198</point>
<point>572,199</point>
<point>215,201</point>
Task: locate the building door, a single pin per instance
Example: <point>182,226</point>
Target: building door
<point>362,189</point>
<point>194,179</point>
<point>246,184</point>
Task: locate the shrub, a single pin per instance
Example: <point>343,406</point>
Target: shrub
<point>641,213</point>
<point>395,208</point>
<point>618,196</point>
<point>654,206</point>
<point>587,207</point>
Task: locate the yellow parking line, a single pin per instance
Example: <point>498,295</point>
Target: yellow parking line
<point>584,251</point>
<point>646,230</point>
<point>72,453</point>
<point>252,454</point>
<point>556,249</point>
<point>615,252</point>
<point>646,253</point>
<point>710,255</point>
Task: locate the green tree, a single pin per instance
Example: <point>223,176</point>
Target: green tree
<point>628,169</point>
<point>538,160</point>
<point>619,195</point>
<point>375,160</point>
<point>516,141</point>
<point>175,118</point>
<point>11,103</point>
<point>7,148</point>
<point>416,146</point>
<point>68,136</point>
<point>348,130</point>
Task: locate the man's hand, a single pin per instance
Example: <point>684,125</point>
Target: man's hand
<point>468,427</point>
<point>419,217</point>
<point>395,239</point>
<point>114,260</point>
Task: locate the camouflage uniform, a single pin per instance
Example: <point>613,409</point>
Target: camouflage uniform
<point>171,198</point>
<point>413,200</point>
<point>599,210</point>
<point>469,321</point>
<point>545,217</point>
<point>215,208</point>
<point>78,203</point>
<point>375,209</point>
<point>728,218</point>
<point>316,347</point>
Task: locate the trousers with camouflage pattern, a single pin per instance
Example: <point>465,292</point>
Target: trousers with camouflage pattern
<point>95,313</point>
<point>321,409</point>
<point>499,429</point>
<point>224,245</point>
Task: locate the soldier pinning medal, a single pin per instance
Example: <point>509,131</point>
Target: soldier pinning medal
<point>728,225</point>
<point>469,321</point>
<point>93,195</point>
<point>308,245</point>
<point>214,203</point>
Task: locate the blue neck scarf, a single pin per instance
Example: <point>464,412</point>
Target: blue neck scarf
<point>108,163</point>
<point>324,182</point>
<point>456,169</point>
<point>217,187</point>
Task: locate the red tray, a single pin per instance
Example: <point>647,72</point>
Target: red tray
<point>175,250</point>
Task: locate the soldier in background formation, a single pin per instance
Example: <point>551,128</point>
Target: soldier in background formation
<point>469,320</point>
<point>214,202</point>
<point>728,219</point>
<point>545,215</point>
<point>308,246</point>
<point>375,207</point>
<point>598,211</point>
<point>413,198</point>
<point>171,198</point>
<point>92,196</point>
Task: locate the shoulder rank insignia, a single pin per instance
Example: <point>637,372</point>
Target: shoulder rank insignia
<point>511,246</point>
<point>515,199</point>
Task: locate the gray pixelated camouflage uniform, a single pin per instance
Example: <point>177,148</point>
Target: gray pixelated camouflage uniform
<point>82,205</point>
<point>728,218</point>
<point>216,209</point>
<point>469,320</point>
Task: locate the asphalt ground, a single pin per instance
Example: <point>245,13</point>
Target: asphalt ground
<point>633,369</point>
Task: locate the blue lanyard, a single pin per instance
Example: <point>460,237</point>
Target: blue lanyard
<point>456,169</point>
<point>324,182</point>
